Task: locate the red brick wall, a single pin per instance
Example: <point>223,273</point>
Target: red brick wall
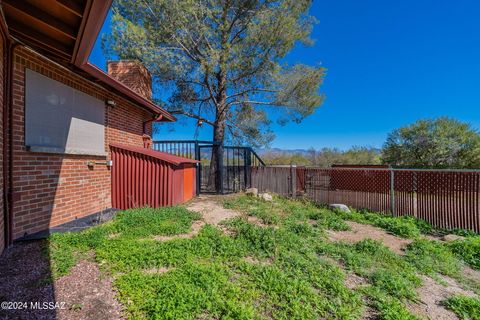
<point>132,74</point>
<point>2,217</point>
<point>51,189</point>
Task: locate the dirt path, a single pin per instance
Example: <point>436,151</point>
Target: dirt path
<point>212,213</point>
<point>83,294</point>
<point>196,227</point>
<point>360,232</point>
<point>431,294</point>
<point>88,293</point>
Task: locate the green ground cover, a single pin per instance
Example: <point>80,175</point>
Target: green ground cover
<point>285,268</point>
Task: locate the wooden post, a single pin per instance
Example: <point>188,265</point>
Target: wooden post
<point>293,180</point>
<point>392,191</point>
<point>247,166</point>
<point>199,166</point>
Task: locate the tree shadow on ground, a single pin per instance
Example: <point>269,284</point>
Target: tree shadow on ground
<point>26,276</point>
<point>25,279</point>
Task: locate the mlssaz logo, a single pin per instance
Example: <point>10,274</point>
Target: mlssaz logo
<point>47,305</point>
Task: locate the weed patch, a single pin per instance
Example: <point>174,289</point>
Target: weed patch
<point>406,227</point>
<point>392,279</point>
<point>213,275</point>
<point>388,307</point>
<point>468,250</point>
<point>467,308</point>
<point>431,257</point>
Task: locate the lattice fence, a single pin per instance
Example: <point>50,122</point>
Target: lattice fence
<point>446,198</point>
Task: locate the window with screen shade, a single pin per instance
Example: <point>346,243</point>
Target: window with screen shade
<point>61,119</point>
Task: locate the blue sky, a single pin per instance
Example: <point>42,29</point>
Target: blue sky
<point>389,63</point>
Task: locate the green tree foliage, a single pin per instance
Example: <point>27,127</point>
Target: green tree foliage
<point>433,143</point>
<point>222,61</point>
<point>323,158</point>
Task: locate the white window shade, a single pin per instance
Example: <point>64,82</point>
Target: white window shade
<point>60,119</point>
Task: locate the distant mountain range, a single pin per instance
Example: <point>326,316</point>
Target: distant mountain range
<point>282,151</point>
<point>305,151</point>
<point>324,158</point>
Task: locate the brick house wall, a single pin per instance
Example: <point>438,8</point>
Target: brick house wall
<point>51,189</point>
<point>2,72</point>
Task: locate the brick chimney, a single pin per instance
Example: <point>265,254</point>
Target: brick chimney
<point>133,74</point>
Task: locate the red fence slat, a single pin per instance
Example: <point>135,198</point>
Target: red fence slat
<point>142,179</point>
<point>446,199</point>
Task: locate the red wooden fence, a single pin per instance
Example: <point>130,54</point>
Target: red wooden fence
<point>144,177</point>
<point>446,198</point>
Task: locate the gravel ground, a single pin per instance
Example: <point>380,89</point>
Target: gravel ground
<point>23,274</point>
<point>211,211</point>
<point>24,278</point>
<point>431,294</point>
<point>360,232</point>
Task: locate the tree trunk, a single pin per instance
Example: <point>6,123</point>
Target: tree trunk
<point>215,172</point>
<point>215,180</point>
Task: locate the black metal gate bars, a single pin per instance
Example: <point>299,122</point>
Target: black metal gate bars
<point>235,163</point>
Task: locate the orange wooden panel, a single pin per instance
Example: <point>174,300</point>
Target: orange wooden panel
<point>188,182</point>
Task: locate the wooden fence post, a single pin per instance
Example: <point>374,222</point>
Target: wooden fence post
<point>199,166</point>
<point>392,192</point>
<point>293,180</point>
<point>415,204</point>
<point>247,165</point>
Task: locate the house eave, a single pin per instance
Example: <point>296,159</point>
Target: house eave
<point>75,57</point>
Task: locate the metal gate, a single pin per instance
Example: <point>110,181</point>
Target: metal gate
<point>235,163</point>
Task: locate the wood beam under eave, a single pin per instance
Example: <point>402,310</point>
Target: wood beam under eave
<point>94,17</point>
<point>81,30</point>
<point>40,16</point>
<point>39,40</point>
<point>72,6</point>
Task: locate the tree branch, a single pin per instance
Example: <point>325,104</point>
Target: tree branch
<point>183,47</point>
<point>210,90</point>
<point>194,116</point>
<point>201,99</point>
<point>256,102</point>
<point>193,82</point>
<point>238,33</point>
<point>262,60</point>
<point>251,90</point>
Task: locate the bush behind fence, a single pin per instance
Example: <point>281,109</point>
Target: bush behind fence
<point>448,199</point>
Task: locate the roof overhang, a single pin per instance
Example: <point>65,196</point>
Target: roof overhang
<point>167,157</point>
<point>58,29</point>
<point>105,78</point>
<point>65,31</point>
